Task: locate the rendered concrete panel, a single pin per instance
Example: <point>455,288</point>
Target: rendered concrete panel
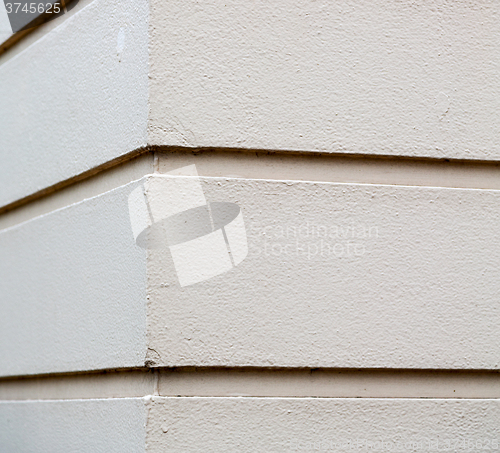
<point>303,382</point>
<point>257,382</point>
<point>322,424</point>
<point>337,275</point>
<point>249,425</point>
<point>73,290</point>
<point>340,275</point>
<point>374,78</point>
<point>391,78</point>
<point>75,99</point>
<point>58,426</point>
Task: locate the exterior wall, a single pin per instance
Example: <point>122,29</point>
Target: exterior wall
<point>256,424</point>
<point>276,424</point>
<point>73,425</point>
<point>340,275</point>
<point>361,77</point>
<point>74,289</point>
<point>80,91</point>
<point>358,143</point>
<point>315,254</point>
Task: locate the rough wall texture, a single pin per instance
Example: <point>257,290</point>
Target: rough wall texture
<point>395,78</point>
<point>379,78</point>
<point>367,275</point>
<point>307,424</point>
<point>340,275</point>
<point>337,275</point>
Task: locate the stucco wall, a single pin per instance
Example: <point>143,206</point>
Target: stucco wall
<point>348,295</point>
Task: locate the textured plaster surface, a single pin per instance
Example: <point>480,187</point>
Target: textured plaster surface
<point>373,77</point>
<point>340,275</point>
<point>376,78</point>
<point>337,275</point>
<point>320,424</point>
<point>160,424</point>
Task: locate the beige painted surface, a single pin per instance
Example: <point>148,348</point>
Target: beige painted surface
<point>330,383</point>
<point>361,77</point>
<point>340,276</point>
<point>337,276</point>
<point>338,168</point>
<point>321,424</point>
<point>369,78</point>
<point>348,98</point>
<point>159,424</point>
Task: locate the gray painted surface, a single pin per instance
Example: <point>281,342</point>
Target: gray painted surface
<point>75,99</point>
<point>98,426</point>
<point>160,424</point>
<point>337,275</point>
<point>257,382</point>
<point>366,78</point>
<point>73,290</point>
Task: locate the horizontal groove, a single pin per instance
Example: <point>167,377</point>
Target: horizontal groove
<point>258,382</point>
<point>258,164</point>
<point>92,183</point>
<point>76,179</point>
<point>339,168</point>
<point>305,152</point>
